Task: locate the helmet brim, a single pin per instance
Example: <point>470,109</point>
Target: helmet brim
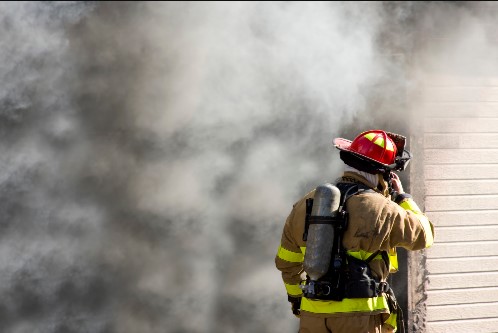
<point>342,144</point>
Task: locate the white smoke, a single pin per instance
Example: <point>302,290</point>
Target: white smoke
<point>133,206</point>
<point>152,151</point>
<point>254,87</point>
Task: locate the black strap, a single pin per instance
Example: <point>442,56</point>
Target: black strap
<point>385,257</point>
<point>372,256</point>
<point>347,189</point>
<point>322,220</point>
<point>309,207</point>
<point>395,308</point>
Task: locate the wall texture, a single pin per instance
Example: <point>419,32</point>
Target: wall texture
<point>461,187</point>
<point>454,284</point>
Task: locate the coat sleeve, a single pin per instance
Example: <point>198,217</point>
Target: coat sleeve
<point>290,256</point>
<point>378,223</point>
<point>411,229</point>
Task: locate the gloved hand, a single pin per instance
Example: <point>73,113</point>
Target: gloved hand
<point>295,305</point>
<point>396,183</point>
<point>398,194</point>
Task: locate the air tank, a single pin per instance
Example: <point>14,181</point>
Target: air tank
<point>321,236</point>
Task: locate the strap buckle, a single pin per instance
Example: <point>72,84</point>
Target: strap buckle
<point>383,287</point>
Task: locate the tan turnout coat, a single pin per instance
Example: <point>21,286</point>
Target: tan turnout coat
<point>375,223</point>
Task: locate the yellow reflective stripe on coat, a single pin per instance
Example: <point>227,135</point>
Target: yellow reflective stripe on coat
<point>393,261</point>
<point>409,204</point>
<point>289,256</point>
<point>392,320</point>
<point>293,289</point>
<point>364,255</point>
<point>345,306</point>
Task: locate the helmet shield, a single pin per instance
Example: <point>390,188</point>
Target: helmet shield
<point>404,156</point>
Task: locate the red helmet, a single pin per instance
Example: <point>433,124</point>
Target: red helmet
<point>375,145</point>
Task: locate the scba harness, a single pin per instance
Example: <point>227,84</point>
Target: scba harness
<point>347,276</point>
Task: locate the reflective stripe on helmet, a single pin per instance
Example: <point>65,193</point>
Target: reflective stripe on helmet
<point>293,289</point>
<point>371,136</point>
<point>379,140</point>
<point>289,256</point>
<point>346,305</point>
<point>375,145</point>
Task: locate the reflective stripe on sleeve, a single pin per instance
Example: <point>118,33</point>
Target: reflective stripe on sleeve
<point>412,206</point>
<point>293,289</point>
<point>393,261</point>
<point>346,305</point>
<point>429,237</point>
<point>409,204</point>
<point>289,256</point>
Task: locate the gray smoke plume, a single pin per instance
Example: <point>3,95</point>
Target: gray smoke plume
<point>151,152</point>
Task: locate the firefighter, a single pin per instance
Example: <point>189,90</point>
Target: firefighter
<point>381,217</point>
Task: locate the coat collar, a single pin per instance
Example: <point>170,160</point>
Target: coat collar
<point>352,177</point>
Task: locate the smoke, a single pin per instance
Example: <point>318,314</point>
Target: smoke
<point>152,151</point>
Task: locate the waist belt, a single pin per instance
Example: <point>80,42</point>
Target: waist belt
<point>324,290</point>
<point>354,280</point>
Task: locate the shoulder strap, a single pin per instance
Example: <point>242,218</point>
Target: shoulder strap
<point>385,257</point>
<point>309,206</point>
<point>350,189</point>
<point>347,191</point>
<point>372,256</point>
